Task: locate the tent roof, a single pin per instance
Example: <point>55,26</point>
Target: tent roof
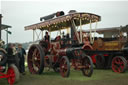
<point>3,26</point>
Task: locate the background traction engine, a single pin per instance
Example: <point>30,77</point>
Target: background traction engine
<point>12,73</point>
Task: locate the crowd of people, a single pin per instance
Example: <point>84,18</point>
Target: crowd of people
<point>17,50</point>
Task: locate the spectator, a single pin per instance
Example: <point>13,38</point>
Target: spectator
<point>46,37</point>
<point>14,49</point>
<point>21,54</point>
<point>2,44</point>
<point>63,35</point>
<point>9,49</point>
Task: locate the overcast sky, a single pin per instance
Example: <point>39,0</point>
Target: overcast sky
<point>19,14</point>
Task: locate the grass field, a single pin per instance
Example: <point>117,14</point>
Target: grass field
<point>99,77</point>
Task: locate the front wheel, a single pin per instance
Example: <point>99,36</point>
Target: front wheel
<point>119,64</point>
<point>13,74</point>
<point>88,65</point>
<point>36,59</point>
<point>64,67</point>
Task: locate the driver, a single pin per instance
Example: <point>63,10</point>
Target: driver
<point>46,37</point>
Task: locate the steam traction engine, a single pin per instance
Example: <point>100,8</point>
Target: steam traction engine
<point>6,62</point>
<point>111,51</point>
<point>62,53</point>
<point>12,74</point>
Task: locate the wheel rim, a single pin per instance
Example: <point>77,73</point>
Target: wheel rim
<point>63,67</point>
<point>11,74</point>
<point>88,67</point>
<point>34,60</point>
<point>118,65</point>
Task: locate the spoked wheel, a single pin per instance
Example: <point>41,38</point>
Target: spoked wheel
<point>119,64</point>
<point>13,74</point>
<point>100,61</point>
<point>88,65</point>
<point>36,59</point>
<point>64,67</point>
<point>3,57</point>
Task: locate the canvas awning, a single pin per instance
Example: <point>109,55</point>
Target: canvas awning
<point>3,26</point>
<point>110,29</point>
<point>64,21</point>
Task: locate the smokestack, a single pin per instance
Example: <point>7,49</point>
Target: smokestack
<point>48,17</point>
<point>0,25</point>
<point>57,14</point>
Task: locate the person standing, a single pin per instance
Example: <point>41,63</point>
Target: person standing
<point>14,49</point>
<point>46,37</point>
<point>9,49</point>
<point>21,54</point>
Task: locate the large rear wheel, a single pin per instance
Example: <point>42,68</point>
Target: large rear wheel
<point>88,65</point>
<point>36,59</point>
<point>119,64</point>
<point>64,67</point>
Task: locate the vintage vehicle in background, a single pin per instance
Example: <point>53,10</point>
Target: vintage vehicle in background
<point>111,50</point>
<point>7,62</point>
<point>63,52</point>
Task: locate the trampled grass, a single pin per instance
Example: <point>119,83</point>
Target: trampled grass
<point>99,77</point>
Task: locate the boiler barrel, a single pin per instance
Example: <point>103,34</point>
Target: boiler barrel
<point>69,52</point>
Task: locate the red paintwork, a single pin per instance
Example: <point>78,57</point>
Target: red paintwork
<point>11,78</point>
<point>63,67</point>
<point>1,68</point>
<point>2,75</point>
<point>57,38</point>
<point>59,48</point>
<point>93,59</point>
<point>55,58</point>
<point>105,54</point>
<point>117,65</point>
<point>10,75</point>
<point>46,57</point>
<point>75,64</point>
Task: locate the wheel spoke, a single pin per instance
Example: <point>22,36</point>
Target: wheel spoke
<point>36,59</point>
<point>116,61</point>
<point>119,64</point>
<point>64,67</point>
<point>115,68</point>
<point>11,74</point>
<point>87,66</point>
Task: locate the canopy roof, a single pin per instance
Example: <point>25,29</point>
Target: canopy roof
<point>3,26</point>
<point>108,30</point>
<point>64,21</point>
